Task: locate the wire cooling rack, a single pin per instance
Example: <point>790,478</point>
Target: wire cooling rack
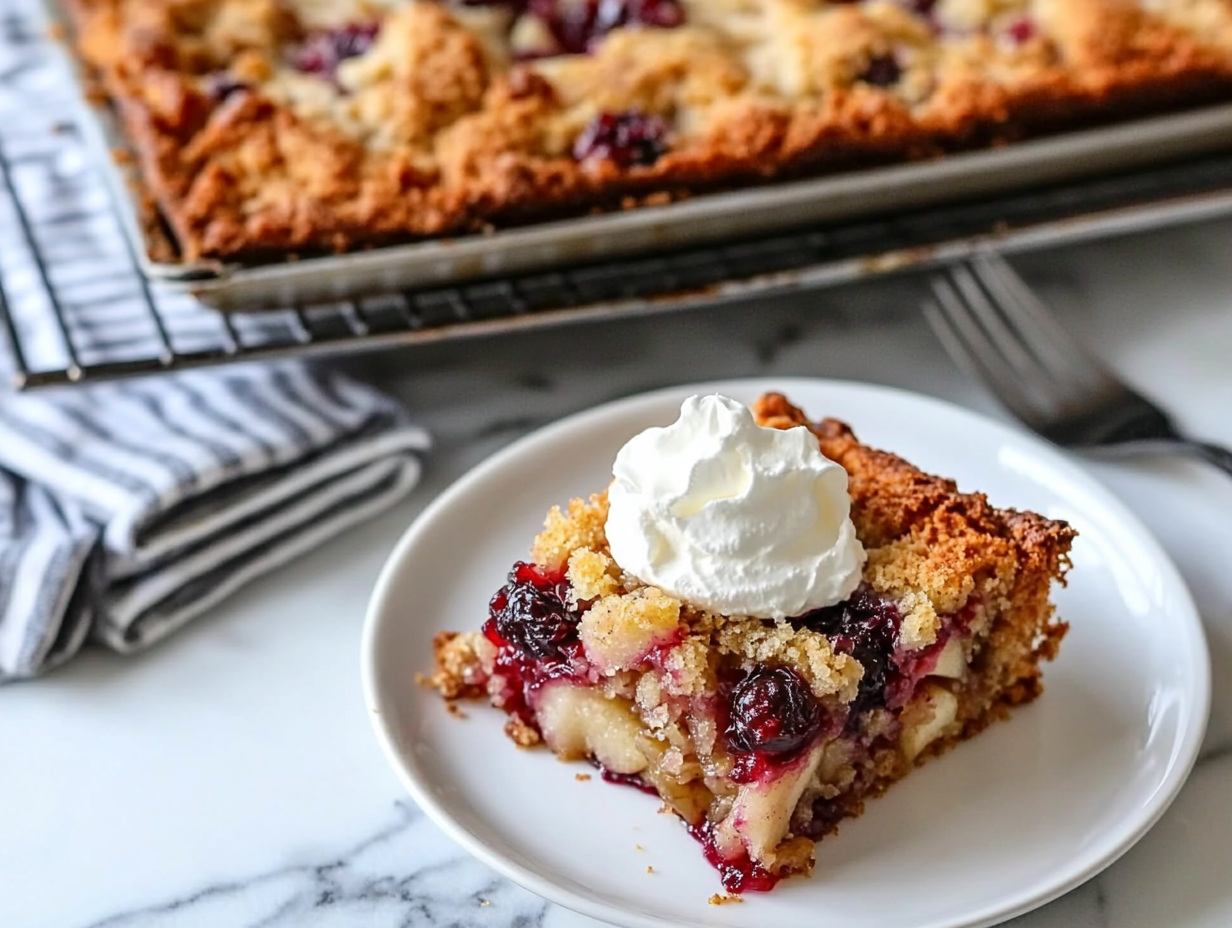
<point>75,308</point>
<point>100,319</point>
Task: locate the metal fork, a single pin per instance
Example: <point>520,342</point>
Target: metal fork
<point>1000,332</point>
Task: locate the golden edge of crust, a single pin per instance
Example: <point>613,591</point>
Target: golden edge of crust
<point>895,497</point>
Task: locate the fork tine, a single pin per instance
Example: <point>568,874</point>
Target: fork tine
<point>989,315</point>
<point>970,346</point>
<point>985,327</point>
<point>1071,366</point>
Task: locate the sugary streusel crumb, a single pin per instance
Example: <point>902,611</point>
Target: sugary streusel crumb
<point>758,641</point>
<point>592,574</point>
<point>725,899</point>
<point>939,566</point>
<point>920,621</point>
<point>687,670</point>
<point>649,699</point>
<point>582,777</point>
<point>460,659</point>
<point>619,630</point>
<point>521,734</point>
<point>581,527</point>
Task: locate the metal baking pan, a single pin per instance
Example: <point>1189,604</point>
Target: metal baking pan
<point>706,218</point>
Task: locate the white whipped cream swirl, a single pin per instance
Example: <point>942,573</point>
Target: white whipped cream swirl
<point>733,517</point>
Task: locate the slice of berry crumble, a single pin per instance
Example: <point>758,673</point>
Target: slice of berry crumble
<point>766,623</point>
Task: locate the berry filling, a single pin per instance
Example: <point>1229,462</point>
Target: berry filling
<point>866,627</point>
<point>532,612</point>
<point>1021,30</point>
<point>768,716</point>
<point>535,633</point>
<point>773,711</point>
<point>738,874</point>
<point>882,71</point>
<point>577,27</point>
<point>627,139</point>
<point>625,779</point>
<point>324,51</point>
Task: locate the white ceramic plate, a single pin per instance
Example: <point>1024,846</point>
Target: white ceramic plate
<point>1026,811</point>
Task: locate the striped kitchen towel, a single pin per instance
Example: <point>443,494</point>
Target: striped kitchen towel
<point>127,509</point>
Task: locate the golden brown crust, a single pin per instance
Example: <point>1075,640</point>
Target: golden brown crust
<point>436,130</point>
<point>892,498</point>
<point>924,538</point>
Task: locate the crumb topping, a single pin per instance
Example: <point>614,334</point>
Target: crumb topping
<point>620,630</point>
<point>581,527</point>
<point>424,118</point>
<point>592,574</point>
<point>460,658</point>
<point>760,642</point>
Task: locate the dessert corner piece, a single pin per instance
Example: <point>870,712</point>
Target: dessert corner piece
<point>760,637</point>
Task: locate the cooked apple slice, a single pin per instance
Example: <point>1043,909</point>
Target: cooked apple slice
<point>579,722</point>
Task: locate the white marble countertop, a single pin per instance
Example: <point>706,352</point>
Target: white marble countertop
<point>229,778</point>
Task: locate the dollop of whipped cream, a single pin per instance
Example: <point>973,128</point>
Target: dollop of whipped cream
<point>733,517</point>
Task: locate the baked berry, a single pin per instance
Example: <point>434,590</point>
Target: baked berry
<point>882,71</point>
<point>773,711</point>
<point>577,26</point>
<point>922,7</point>
<point>1021,30</point>
<point>658,14</point>
<point>532,612</point>
<point>324,51</point>
<point>627,139</point>
<point>865,627</point>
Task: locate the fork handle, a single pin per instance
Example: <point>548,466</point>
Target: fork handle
<point>1213,454</point>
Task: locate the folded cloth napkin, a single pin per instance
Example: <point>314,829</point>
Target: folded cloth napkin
<point>127,509</point>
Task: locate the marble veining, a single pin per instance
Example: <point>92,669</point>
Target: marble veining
<point>228,779</point>
<point>383,880</point>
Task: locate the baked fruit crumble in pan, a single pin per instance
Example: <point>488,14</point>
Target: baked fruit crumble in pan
<point>762,734</point>
<point>265,127</point>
